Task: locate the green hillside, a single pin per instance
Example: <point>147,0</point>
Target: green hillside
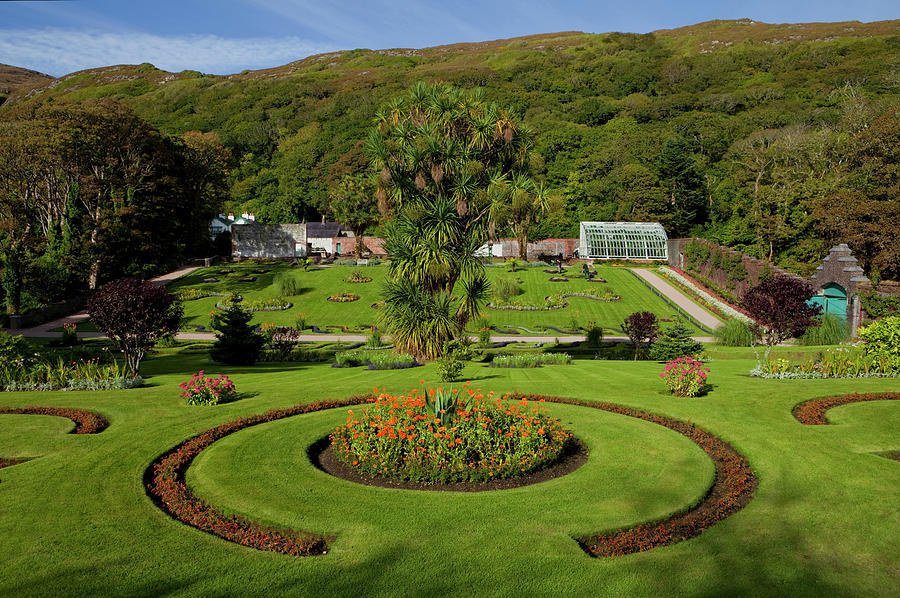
<point>759,129</point>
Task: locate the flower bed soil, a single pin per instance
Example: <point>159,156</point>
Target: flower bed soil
<point>813,412</point>
<point>323,457</point>
<point>86,422</point>
<point>731,491</point>
<point>4,462</point>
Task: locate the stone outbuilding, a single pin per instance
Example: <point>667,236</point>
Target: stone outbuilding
<point>256,240</point>
<point>837,281</point>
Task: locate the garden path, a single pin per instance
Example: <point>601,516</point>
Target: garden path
<point>45,330</point>
<point>679,298</point>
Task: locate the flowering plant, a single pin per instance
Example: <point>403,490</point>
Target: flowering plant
<point>685,376</point>
<point>69,334</point>
<point>440,436</point>
<point>200,390</point>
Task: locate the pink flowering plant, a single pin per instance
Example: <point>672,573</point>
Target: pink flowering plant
<point>202,390</point>
<point>685,376</point>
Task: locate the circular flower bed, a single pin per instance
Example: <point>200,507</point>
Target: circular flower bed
<point>343,297</point>
<point>443,437</point>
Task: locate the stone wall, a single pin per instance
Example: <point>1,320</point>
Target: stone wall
<point>734,281</point>
<point>47,314</point>
<point>255,240</point>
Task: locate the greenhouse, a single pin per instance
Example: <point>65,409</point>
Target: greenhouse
<point>623,241</point>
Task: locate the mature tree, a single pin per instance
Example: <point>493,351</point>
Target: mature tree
<point>520,204</point>
<point>353,204</point>
<point>236,341</point>
<point>866,215</point>
<point>441,156</point>
<point>642,328</point>
<point>779,305</point>
<point>134,314</point>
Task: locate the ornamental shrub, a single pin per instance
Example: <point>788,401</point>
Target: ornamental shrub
<point>236,342</point>
<point>734,333</point>
<point>134,314</point>
<point>685,376</point>
<point>483,438</point>
<point>287,286</point>
<point>883,341</point>
<point>831,330</point>
<point>674,341</point>
<point>202,390</point>
<point>594,335</point>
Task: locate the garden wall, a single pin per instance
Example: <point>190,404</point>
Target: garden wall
<point>47,314</point>
<point>727,271</point>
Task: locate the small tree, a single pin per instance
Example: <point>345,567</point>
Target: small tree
<point>134,314</point>
<point>642,328</point>
<point>236,342</point>
<point>779,306</point>
<point>353,204</point>
<point>673,342</point>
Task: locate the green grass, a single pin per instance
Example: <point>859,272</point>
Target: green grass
<point>318,284</point>
<point>75,520</point>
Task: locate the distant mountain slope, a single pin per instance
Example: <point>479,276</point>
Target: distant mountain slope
<point>626,125</point>
<point>13,77</point>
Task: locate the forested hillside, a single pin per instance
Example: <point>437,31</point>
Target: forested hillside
<point>775,139</point>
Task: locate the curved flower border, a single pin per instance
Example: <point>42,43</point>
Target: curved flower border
<point>814,411</point>
<point>165,485</point>
<point>731,491</point>
<point>86,422</point>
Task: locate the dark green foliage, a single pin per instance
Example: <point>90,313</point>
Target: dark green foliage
<point>673,342</point>
<point>746,142</point>
<point>443,159</point>
<point>14,350</point>
<point>878,307</point>
<point>594,335</point>
<point>236,342</point>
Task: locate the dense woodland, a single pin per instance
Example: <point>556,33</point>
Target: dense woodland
<point>776,140</point>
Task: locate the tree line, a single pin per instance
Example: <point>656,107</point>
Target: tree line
<point>90,192</point>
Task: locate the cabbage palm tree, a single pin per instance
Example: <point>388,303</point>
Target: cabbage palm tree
<point>440,155</point>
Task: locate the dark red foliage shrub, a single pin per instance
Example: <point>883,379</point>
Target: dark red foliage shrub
<point>134,314</point>
<point>732,490</point>
<point>812,412</point>
<point>780,305</point>
<point>166,486</point>
<point>86,422</point>
<point>642,328</point>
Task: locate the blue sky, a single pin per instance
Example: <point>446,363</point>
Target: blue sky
<point>228,36</point>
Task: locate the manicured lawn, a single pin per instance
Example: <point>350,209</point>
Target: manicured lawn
<point>76,521</point>
<point>320,283</point>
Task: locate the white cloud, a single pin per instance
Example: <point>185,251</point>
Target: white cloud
<point>61,51</point>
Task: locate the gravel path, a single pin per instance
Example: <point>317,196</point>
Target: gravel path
<point>44,330</point>
<point>679,298</point>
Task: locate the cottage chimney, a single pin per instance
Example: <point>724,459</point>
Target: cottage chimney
<point>230,216</point>
<point>251,217</point>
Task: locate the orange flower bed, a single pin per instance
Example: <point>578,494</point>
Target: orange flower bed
<point>472,437</point>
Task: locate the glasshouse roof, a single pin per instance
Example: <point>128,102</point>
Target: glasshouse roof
<point>623,240</point>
